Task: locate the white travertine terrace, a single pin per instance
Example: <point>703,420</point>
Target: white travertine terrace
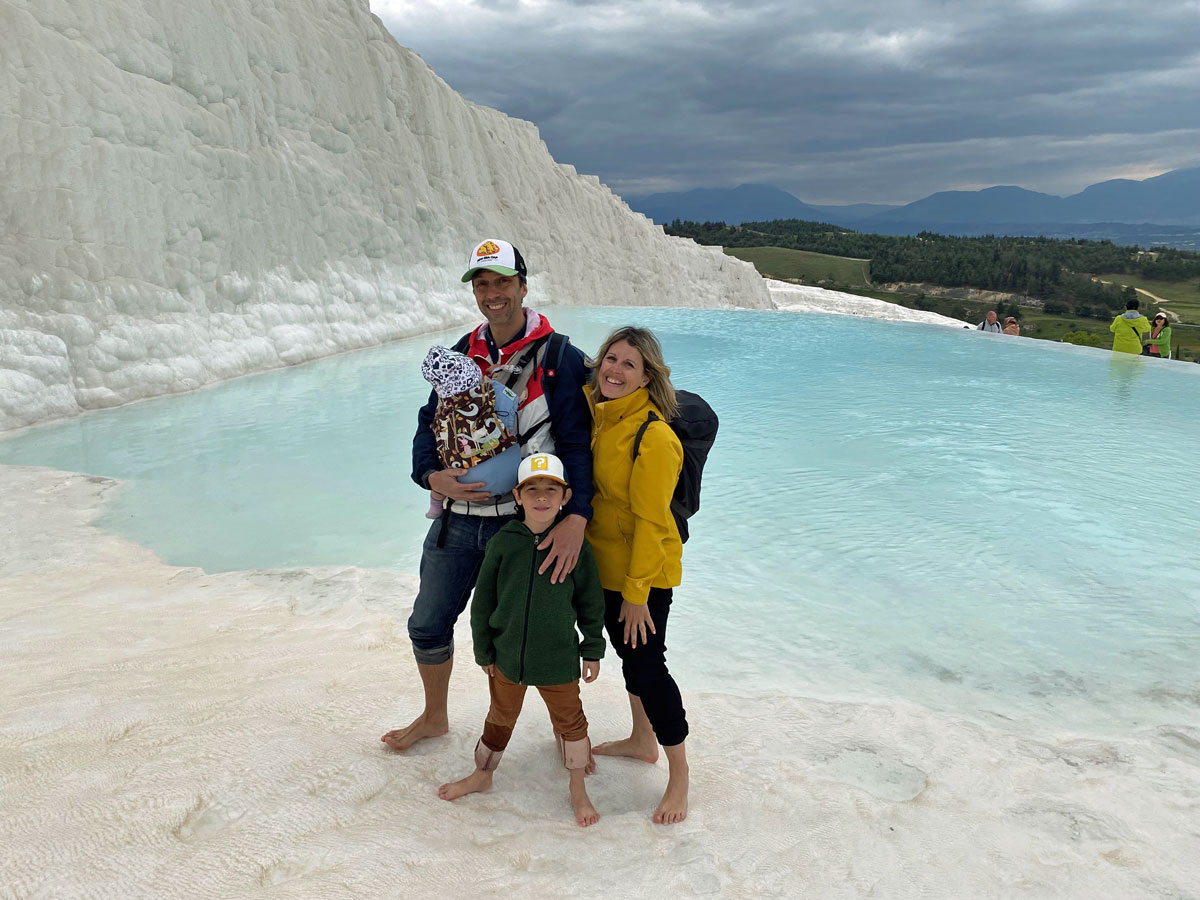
<point>194,191</point>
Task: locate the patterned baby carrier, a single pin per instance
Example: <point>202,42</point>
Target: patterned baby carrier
<point>466,426</point>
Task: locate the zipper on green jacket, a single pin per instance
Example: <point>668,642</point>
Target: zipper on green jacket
<point>528,603</point>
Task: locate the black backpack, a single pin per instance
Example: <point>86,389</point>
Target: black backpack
<point>696,427</point>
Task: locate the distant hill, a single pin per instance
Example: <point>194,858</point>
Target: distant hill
<point>1121,207</point>
<point>733,206</point>
<point>994,204</point>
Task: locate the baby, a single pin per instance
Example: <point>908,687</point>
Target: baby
<point>474,425</point>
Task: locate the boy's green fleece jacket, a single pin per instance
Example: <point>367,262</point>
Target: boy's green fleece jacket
<point>526,625</point>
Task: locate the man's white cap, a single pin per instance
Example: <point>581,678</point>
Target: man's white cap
<point>541,465</point>
<point>497,255</point>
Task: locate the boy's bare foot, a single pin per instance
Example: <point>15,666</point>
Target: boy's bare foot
<point>585,813</point>
<point>401,739</point>
<point>479,780</point>
<point>646,751</point>
<point>674,805</point>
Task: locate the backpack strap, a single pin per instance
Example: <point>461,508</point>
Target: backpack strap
<point>641,432</point>
<point>556,346</point>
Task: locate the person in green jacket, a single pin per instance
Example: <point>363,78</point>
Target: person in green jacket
<point>1128,329</point>
<point>523,625</point>
<point>1158,339</point>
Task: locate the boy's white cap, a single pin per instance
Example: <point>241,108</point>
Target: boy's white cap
<point>541,465</point>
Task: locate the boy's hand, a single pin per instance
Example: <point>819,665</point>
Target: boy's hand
<point>564,540</point>
<point>591,670</point>
<point>490,670</point>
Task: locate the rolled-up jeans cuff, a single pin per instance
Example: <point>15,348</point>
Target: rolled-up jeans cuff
<point>433,656</point>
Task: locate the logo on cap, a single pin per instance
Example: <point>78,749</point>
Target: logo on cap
<point>487,248</point>
<point>539,463</point>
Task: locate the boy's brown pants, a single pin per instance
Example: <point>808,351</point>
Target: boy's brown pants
<point>562,702</point>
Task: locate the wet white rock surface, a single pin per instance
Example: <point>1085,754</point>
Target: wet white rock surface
<point>167,733</point>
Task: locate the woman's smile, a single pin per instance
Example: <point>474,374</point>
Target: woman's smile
<point>622,371</point>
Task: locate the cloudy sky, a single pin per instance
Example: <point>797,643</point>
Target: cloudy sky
<point>836,101</point>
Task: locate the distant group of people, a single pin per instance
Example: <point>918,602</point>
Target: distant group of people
<point>527,450</point>
<point>1132,331</point>
<point>991,322</point>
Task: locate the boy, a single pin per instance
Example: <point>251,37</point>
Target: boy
<point>524,633</point>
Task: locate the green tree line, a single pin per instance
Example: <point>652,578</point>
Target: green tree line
<point>1052,270</point>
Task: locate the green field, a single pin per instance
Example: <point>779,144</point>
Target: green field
<point>853,276</point>
<point>1183,297</point>
<point>1034,322</point>
<point>801,265</point>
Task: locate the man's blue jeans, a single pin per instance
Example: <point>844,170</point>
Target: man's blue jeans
<point>448,576</point>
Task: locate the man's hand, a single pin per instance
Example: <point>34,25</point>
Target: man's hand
<point>637,620</point>
<point>489,670</point>
<point>564,541</point>
<point>445,481</point>
<point>591,670</point>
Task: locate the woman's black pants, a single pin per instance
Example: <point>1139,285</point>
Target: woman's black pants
<point>645,667</point>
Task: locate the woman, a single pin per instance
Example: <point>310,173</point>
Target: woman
<point>1011,326</point>
<point>637,547</point>
<point>1158,340</point>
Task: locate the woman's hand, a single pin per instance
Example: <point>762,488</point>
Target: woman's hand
<point>637,619</point>
<point>490,669</point>
<point>591,670</point>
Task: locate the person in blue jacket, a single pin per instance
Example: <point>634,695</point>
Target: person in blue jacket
<point>516,346</point>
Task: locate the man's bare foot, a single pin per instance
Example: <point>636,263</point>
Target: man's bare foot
<point>585,813</point>
<point>401,739</point>
<point>674,805</point>
<point>646,751</point>
<point>479,780</point>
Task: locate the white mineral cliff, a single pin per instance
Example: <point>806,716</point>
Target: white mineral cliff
<point>194,191</point>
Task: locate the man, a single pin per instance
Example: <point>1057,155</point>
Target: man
<point>990,323</point>
<point>1128,329</point>
<point>514,346</point>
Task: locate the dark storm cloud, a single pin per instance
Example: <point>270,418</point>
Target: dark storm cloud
<point>834,101</point>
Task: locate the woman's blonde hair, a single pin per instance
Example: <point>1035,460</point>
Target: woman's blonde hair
<point>662,392</point>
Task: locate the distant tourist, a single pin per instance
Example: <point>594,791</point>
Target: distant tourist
<point>638,547</point>
<point>474,426</point>
<point>991,322</point>
<point>1128,329</point>
<point>524,634</point>
<point>1158,341</point>
<point>517,347</point>
<point>1011,326</point>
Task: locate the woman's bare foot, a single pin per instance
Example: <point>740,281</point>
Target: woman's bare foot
<point>673,807</point>
<point>631,747</point>
<point>585,813</point>
<point>479,780</point>
<point>422,727</point>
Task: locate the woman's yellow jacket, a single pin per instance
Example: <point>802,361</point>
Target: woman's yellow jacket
<point>632,531</point>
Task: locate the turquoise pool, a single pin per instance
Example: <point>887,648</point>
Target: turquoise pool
<point>985,524</point>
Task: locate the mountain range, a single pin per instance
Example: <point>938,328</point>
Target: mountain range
<point>1131,207</point>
